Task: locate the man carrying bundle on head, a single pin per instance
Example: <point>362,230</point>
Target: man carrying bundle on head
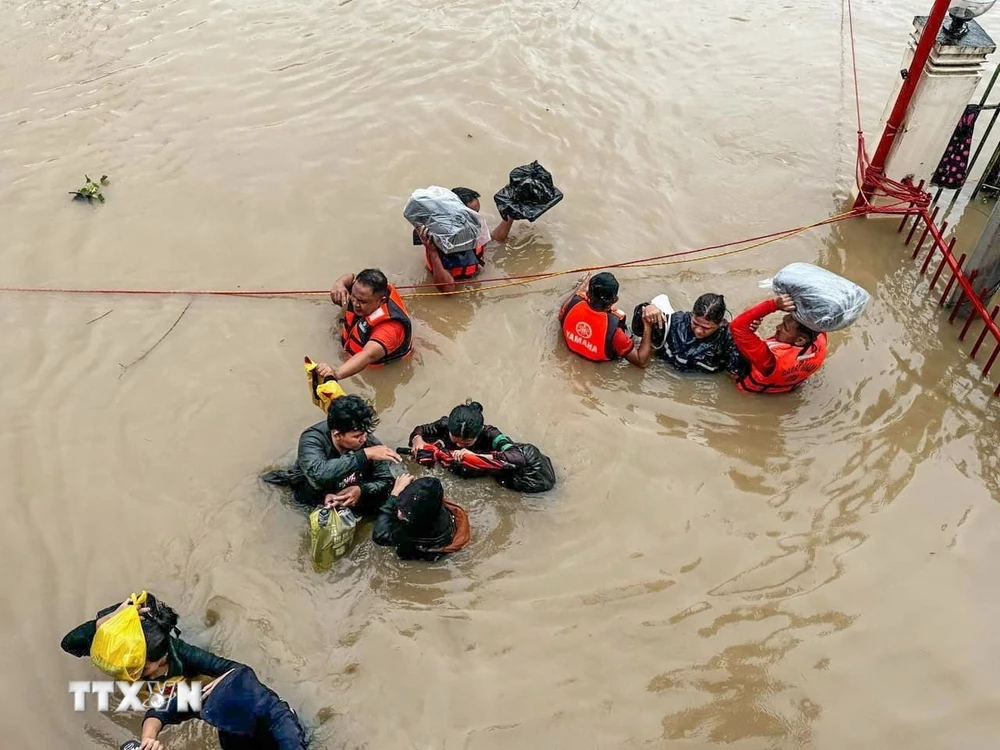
<point>815,301</point>
<point>783,362</point>
<point>466,260</point>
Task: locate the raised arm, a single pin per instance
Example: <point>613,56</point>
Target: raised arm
<point>500,232</point>
<point>341,291</point>
<point>753,347</point>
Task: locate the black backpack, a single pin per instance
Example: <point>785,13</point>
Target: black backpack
<point>537,476</point>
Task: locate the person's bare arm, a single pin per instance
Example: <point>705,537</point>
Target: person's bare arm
<point>581,290</point>
<point>442,279</point>
<point>500,232</point>
<point>150,731</point>
<point>341,291</point>
<point>651,317</point>
<point>372,353</point>
<point>640,355</point>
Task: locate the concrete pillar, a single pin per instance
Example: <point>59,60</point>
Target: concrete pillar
<point>986,259</point>
<point>951,75</point>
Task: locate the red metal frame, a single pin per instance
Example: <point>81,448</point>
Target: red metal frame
<point>895,120</point>
<point>967,292</point>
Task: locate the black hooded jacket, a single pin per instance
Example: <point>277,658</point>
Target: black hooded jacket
<point>429,525</point>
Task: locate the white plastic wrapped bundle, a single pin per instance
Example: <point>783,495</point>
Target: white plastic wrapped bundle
<point>823,300</point>
<point>453,226</point>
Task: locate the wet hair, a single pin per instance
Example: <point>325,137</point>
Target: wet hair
<point>421,501</point>
<point>157,624</point>
<point>710,306</point>
<point>351,414</point>
<point>809,334</point>
<point>603,289</point>
<point>466,421</point>
<point>466,195</point>
<point>374,279</point>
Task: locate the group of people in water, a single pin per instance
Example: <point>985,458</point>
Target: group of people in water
<point>376,327</point>
<point>340,463</point>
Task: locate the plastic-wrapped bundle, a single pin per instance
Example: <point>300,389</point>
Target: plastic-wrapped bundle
<point>529,194</point>
<point>823,300</point>
<point>454,227</point>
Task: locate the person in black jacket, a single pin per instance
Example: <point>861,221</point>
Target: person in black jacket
<point>696,341</point>
<point>166,655</point>
<point>340,462</point>
<point>463,431</point>
<point>417,521</point>
<point>247,714</point>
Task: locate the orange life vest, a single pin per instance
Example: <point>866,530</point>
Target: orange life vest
<point>794,365</point>
<point>357,331</point>
<point>462,265</point>
<point>589,332</point>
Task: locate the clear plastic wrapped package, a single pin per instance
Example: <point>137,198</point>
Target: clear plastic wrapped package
<point>453,226</point>
<point>823,300</point>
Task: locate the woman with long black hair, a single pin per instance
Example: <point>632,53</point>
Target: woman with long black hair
<point>463,434</point>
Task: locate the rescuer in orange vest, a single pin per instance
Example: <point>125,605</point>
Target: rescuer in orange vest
<point>375,328</point>
<point>593,328</point>
<point>783,362</point>
<point>446,267</point>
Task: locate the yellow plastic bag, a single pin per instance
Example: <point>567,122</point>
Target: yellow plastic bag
<point>331,533</point>
<point>119,646</point>
<point>322,393</point>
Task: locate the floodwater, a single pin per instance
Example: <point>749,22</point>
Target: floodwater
<point>816,570</point>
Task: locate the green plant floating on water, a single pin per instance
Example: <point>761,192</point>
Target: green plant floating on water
<point>90,190</point>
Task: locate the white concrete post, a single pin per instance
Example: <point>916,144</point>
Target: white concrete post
<point>951,75</point>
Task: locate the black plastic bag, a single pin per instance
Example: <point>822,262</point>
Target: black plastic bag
<point>537,476</point>
<point>529,194</point>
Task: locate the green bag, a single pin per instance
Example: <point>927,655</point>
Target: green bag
<point>331,533</point>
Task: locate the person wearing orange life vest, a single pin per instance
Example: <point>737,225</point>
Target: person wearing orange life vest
<point>595,330</point>
<point>375,328</point>
<point>446,268</point>
<point>783,362</point>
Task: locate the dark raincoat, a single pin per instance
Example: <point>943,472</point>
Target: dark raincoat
<point>320,469</point>
<point>429,526</point>
<point>247,714</point>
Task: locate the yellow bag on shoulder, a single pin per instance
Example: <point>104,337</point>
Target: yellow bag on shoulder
<point>119,646</point>
<point>322,393</point>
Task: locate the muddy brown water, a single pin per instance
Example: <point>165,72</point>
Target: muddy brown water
<point>816,570</point>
